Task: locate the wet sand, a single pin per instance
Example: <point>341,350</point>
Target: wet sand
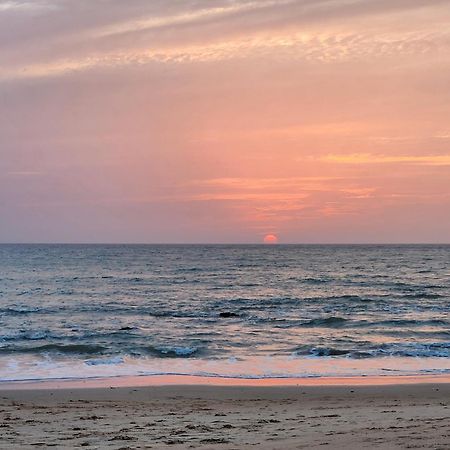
<point>314,416</point>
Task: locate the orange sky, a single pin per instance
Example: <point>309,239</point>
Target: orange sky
<point>225,121</point>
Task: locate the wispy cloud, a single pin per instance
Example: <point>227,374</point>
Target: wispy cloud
<point>261,183</point>
<point>25,173</point>
<point>442,135</point>
<point>11,5</point>
<point>211,13</point>
<point>367,158</point>
<point>271,203</point>
<point>315,47</point>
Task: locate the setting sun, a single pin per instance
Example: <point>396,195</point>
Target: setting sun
<point>270,239</point>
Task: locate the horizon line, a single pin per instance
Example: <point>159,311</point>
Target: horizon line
<point>227,243</point>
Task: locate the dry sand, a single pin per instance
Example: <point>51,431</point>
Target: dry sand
<point>227,417</point>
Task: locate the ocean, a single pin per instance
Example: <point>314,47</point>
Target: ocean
<point>245,311</point>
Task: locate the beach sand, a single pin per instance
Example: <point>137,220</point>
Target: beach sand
<point>315,416</point>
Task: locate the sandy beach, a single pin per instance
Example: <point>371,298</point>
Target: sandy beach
<point>357,416</point>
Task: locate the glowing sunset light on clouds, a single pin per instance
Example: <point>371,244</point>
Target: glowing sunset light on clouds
<point>224,121</point>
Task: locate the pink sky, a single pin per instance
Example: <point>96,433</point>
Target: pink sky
<point>225,121</point>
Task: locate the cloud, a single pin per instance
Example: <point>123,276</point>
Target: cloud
<point>271,203</point>
<point>367,158</point>
<point>108,46</point>
<point>443,135</point>
<point>190,17</point>
<point>322,48</point>
<point>258,184</point>
<point>25,173</point>
<point>359,192</point>
<point>24,6</point>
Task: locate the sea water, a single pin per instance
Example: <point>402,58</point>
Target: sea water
<point>248,311</point>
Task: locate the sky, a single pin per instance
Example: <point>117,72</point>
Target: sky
<point>224,121</point>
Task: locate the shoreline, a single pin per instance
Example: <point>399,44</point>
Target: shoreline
<point>220,381</point>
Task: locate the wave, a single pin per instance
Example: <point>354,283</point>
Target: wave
<point>332,321</point>
<point>416,350</point>
<point>234,376</point>
<point>422,334</point>
<point>19,310</point>
<point>173,352</point>
<point>315,280</point>
<point>190,269</point>
<point>356,350</point>
<point>25,335</point>
<point>423,295</point>
<point>321,351</point>
<point>105,361</point>
<point>410,322</point>
<point>55,348</point>
<point>337,321</point>
<point>353,298</point>
<point>95,349</point>
<point>435,349</point>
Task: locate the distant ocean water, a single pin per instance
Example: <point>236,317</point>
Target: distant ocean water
<point>79,311</point>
